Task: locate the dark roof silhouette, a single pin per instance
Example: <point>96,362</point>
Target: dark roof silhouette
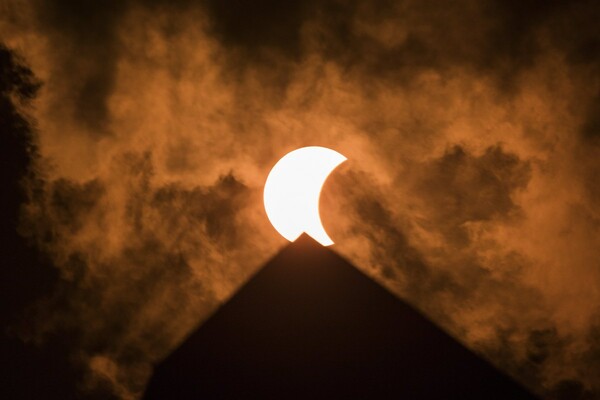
<point>310,325</point>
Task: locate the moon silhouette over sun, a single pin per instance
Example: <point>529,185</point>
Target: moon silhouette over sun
<point>293,189</point>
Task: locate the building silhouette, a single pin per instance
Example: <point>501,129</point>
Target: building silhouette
<point>309,325</point>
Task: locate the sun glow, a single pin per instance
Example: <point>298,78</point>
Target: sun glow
<point>292,192</point>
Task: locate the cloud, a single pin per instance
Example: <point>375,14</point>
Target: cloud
<point>131,257</point>
<point>470,189</point>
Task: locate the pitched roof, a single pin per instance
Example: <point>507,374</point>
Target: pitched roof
<point>310,325</point>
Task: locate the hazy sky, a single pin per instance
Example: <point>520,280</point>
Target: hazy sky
<point>472,189</point>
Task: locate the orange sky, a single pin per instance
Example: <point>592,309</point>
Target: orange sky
<point>471,189</point>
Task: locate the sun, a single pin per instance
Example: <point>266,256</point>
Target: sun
<point>293,189</point>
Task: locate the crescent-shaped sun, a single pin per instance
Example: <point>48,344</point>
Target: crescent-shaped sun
<point>292,192</point>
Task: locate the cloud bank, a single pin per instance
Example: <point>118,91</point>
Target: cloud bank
<point>471,189</point>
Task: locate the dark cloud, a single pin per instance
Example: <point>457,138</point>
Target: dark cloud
<point>87,51</point>
<point>471,188</point>
<point>108,303</point>
<point>382,38</point>
<point>462,188</point>
<point>262,24</point>
<point>591,127</point>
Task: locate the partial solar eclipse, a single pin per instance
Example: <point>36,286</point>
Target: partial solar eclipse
<point>292,192</point>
